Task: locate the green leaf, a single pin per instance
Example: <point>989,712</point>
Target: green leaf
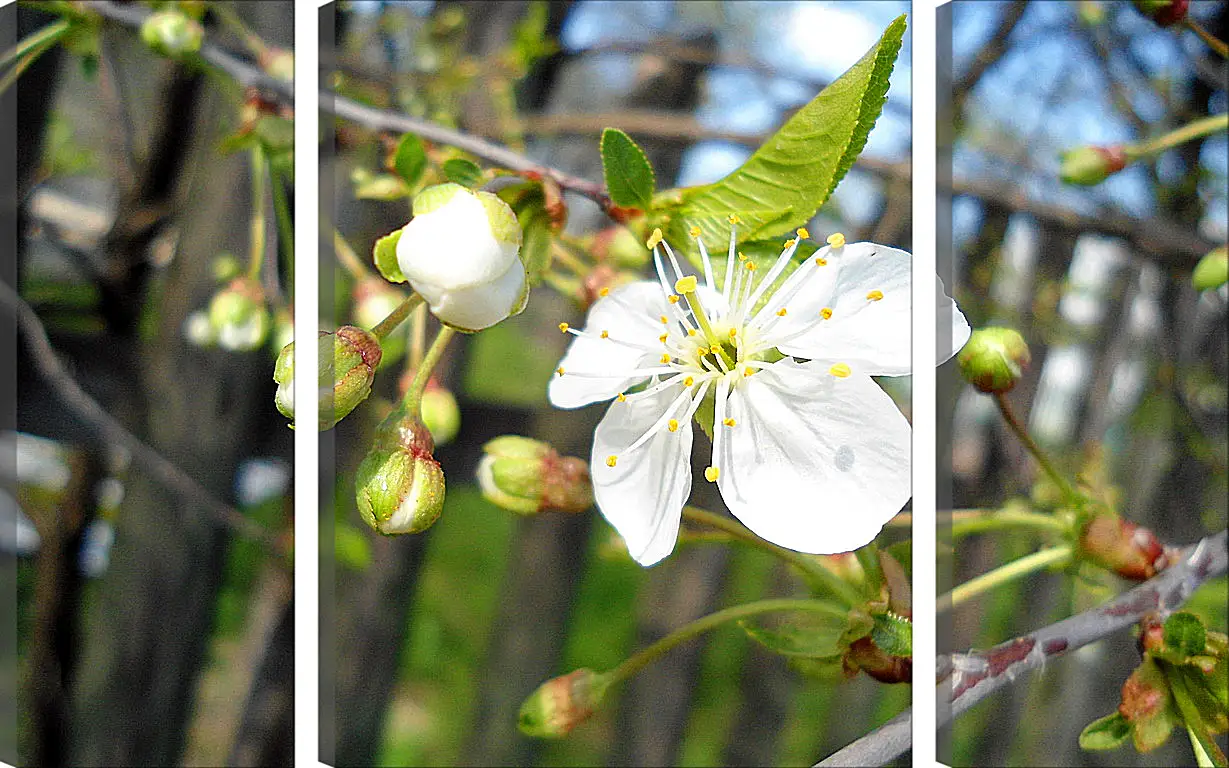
<point>805,635</point>
<point>1185,634</point>
<point>1105,733</point>
<point>535,243</point>
<point>629,177</point>
<point>385,257</point>
<point>276,133</point>
<point>410,159</point>
<point>795,171</point>
<point>382,186</point>
<point>1197,727</point>
<point>463,172</point>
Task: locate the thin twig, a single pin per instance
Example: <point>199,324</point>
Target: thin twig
<point>967,678</point>
<point>94,416</point>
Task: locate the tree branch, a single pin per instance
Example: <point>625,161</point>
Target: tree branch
<point>967,678</point>
<point>89,411</point>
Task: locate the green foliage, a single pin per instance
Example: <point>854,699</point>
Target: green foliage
<point>385,257</point>
<point>528,202</point>
<point>410,159</point>
<point>893,634</point>
<point>788,178</point>
<point>808,635</point>
<point>629,177</point>
<point>1105,733</point>
<point>463,172</point>
<point>1185,634</point>
<point>508,365</point>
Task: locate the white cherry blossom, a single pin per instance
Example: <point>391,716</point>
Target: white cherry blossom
<point>807,450</point>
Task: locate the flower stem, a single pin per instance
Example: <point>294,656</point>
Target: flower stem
<point>812,568</point>
<point>418,339</point>
<point>1004,574</point>
<point>348,258</point>
<point>568,259</point>
<point>413,393</point>
<point>1202,127</point>
<point>642,659</point>
<point>281,210</point>
<point>256,254</point>
<point>1212,41</point>
<point>46,36</point>
<point>390,323</point>
<point>1020,432</point>
<point>1000,519</point>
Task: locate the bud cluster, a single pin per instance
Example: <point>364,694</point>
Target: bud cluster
<point>527,477</point>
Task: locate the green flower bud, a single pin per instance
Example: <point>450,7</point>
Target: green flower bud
<point>225,267</point>
<point>993,359</point>
<point>1164,12</point>
<point>562,703</point>
<point>1212,271</point>
<point>399,486</point>
<point>239,316</point>
<point>1089,166</point>
<point>527,477</point>
<point>347,362</point>
<point>278,63</point>
<point>171,33</point>
<point>440,413</point>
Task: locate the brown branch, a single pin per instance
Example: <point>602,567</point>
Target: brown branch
<point>95,417</point>
<point>988,56</point>
<point>967,678</point>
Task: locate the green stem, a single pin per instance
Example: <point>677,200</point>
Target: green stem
<point>642,659</point>
<point>348,258</point>
<point>847,592</point>
<point>569,259</point>
<point>394,319</point>
<point>992,520</point>
<point>1004,574</point>
<point>413,393</point>
<point>1020,432</point>
<point>23,64</point>
<point>418,339</point>
<point>1202,127</point>
<point>256,254</point>
<point>38,41</point>
<point>281,210</point>
<point>1207,752</point>
<point>1212,41</point>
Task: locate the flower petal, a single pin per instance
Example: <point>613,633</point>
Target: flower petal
<point>643,494</point>
<point>479,306</point>
<point>630,313</point>
<point>871,314</point>
<point>815,462</point>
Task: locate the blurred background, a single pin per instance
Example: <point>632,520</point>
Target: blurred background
<point>153,625</point>
<point>1127,382</point>
<point>439,637</point>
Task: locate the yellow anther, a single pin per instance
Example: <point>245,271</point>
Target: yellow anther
<point>803,234</point>
<point>750,266</point>
<point>654,239</point>
<point>673,425</point>
<point>733,218</point>
<point>559,370</point>
<point>673,298</point>
<point>840,370</point>
<point>836,240</point>
<point>729,422</point>
<point>665,358</point>
<point>742,256</point>
<point>826,313</point>
<point>821,262</point>
<point>748,371</point>
<point>685,284</point>
<point>622,398</point>
<point>604,292</point>
<point>711,474</point>
<point>781,312</point>
<point>612,460</point>
<point>733,332</point>
<point>605,334</point>
<point>790,243</point>
<point>694,231</point>
<point>563,327</point>
<point>664,320</point>
<point>687,382</point>
<point>691,331</point>
<point>874,295</point>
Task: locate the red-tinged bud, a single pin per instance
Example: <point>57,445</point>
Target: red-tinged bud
<point>1165,13</point>
<point>562,703</point>
<point>1152,634</point>
<point>1148,705</point>
<point>601,280</point>
<point>845,565</point>
<point>994,359</point>
<point>1131,551</point>
<point>884,667</point>
<point>527,477</point>
<point>399,486</point>
<point>1089,166</point>
<point>239,316</point>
